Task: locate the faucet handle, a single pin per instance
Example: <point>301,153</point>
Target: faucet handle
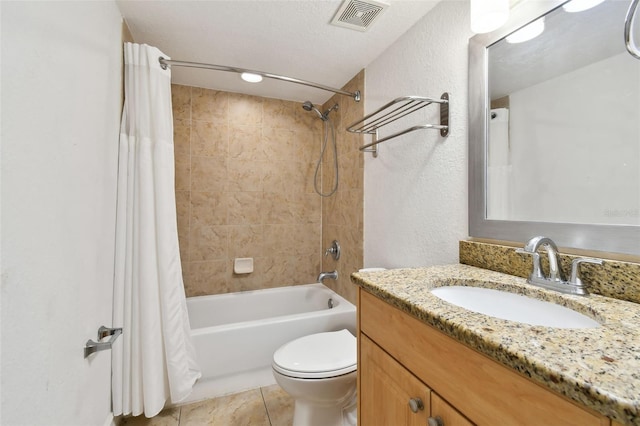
<point>536,273</point>
<point>334,250</point>
<point>575,280</point>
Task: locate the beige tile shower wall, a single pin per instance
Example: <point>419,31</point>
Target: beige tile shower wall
<point>244,188</point>
<point>342,213</point>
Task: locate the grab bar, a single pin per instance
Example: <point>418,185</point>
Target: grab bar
<point>628,26</point>
<point>91,346</point>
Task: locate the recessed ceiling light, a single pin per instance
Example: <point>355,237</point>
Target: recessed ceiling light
<point>251,78</point>
<point>580,5</point>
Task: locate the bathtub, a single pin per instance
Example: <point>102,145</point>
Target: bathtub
<point>236,334</point>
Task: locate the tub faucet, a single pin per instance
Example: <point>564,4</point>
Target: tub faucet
<point>331,275</point>
<point>554,281</point>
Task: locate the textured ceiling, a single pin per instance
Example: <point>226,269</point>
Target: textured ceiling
<point>292,38</point>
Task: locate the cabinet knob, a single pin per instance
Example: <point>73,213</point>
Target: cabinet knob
<point>435,421</point>
<point>416,404</point>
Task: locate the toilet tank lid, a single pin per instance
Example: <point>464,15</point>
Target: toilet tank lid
<point>317,353</point>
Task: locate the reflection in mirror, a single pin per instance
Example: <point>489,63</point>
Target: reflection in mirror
<point>554,129</point>
<point>565,122</point>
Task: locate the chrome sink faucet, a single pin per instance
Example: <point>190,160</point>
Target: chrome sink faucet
<point>324,275</point>
<point>547,244</point>
<point>554,281</point>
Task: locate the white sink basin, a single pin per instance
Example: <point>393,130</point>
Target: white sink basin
<point>513,307</point>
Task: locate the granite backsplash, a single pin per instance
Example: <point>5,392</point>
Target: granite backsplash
<point>616,279</point>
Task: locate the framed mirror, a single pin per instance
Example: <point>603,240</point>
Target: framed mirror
<point>554,129</point>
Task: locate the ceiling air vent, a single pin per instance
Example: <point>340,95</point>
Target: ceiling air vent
<point>358,14</point>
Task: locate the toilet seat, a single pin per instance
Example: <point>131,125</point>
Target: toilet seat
<point>317,356</point>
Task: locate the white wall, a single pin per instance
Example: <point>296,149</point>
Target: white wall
<point>61,85</point>
<point>416,190</point>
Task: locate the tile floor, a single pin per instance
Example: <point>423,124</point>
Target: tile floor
<point>267,406</point>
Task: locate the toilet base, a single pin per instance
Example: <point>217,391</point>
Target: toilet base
<point>308,413</point>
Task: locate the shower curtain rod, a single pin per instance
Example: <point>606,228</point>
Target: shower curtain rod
<point>164,63</point>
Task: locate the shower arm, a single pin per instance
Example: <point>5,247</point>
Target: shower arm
<point>164,63</point>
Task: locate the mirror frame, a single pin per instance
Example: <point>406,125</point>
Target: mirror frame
<point>607,238</point>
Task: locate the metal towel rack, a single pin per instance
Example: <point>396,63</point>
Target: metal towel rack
<point>395,110</point>
<point>91,346</point>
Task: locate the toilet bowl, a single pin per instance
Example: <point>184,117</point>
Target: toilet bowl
<point>319,372</point>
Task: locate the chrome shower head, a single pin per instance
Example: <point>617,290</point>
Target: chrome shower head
<point>308,106</point>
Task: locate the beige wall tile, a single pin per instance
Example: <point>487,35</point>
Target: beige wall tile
<point>209,139</point>
<point>342,212</point>
<point>245,208</point>
<point>209,105</point>
<point>244,182</point>
<point>209,243</point>
<point>245,110</point>
<point>207,278</point>
<point>208,174</point>
<point>183,211</point>
<point>280,144</point>
<point>308,144</point>
<point>245,142</point>
<point>245,175</point>
<point>181,137</point>
<point>303,239</point>
<point>181,102</point>
<point>183,173</point>
<point>246,241</point>
<point>275,209</point>
<point>291,270</point>
<point>208,208</point>
<point>289,177</point>
<point>279,114</point>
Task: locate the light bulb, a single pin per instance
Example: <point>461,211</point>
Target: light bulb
<point>488,15</point>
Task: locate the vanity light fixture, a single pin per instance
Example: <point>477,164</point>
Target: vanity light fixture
<point>528,32</point>
<point>251,78</point>
<point>488,15</point>
<point>580,5</point>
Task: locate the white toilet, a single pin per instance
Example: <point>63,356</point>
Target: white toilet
<point>319,372</point>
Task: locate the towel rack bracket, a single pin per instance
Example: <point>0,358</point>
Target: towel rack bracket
<point>444,115</point>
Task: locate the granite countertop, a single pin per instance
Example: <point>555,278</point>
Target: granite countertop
<point>596,367</point>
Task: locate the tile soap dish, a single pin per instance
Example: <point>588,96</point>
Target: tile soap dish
<point>243,265</point>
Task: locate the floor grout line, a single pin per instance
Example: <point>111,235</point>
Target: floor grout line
<point>264,401</point>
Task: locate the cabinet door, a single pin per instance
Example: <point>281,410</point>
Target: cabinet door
<point>386,389</point>
<point>449,415</point>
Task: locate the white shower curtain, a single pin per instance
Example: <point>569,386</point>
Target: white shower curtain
<point>154,360</point>
<point>499,168</point>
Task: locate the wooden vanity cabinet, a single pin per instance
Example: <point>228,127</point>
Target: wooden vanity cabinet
<point>391,395</point>
<point>401,358</point>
